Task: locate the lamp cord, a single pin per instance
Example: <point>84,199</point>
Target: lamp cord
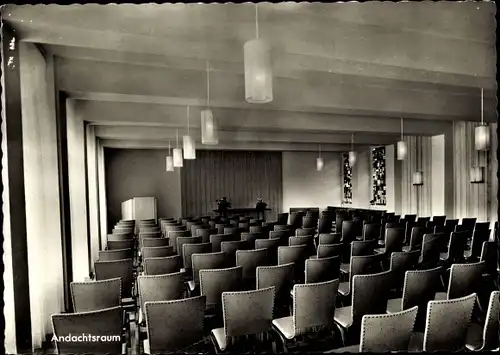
<point>188,118</point>
<point>177,138</point>
<point>169,147</point>
<point>352,142</point>
<point>401,128</point>
<point>256,20</point>
<point>208,84</point>
<point>482,107</point>
<point>320,150</point>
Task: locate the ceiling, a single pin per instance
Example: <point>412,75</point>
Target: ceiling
<point>339,69</point>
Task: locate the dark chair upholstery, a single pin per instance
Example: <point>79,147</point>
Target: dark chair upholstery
<point>250,238</point>
<point>213,282</point>
<point>446,325</point>
<point>327,250</point>
<point>155,242</point>
<point>160,288</point>
<point>205,261</point>
<point>321,270</point>
<point>330,238</point>
<point>120,244</point>
<point>359,248</point>
<point>104,323</point>
<point>205,234</point>
<point>456,248</point>
<point>96,295</point>
<point>464,280</point>
<point>124,269</point>
<point>174,325</point>
<point>217,239</point>
<point>119,254</point>
<point>173,235</point>
<point>157,252</point>
<point>361,265</point>
<point>189,249</point>
<point>162,265</point>
<point>272,246</point>
<point>249,260</point>
<point>431,247</point>
<point>478,238</point>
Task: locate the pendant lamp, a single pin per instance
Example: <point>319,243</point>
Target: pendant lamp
<point>481,133</point>
<point>418,176</point>
<point>319,161</point>
<point>352,154</point>
<point>178,163</point>
<point>258,68</point>
<point>401,148</point>
<point>188,143</point>
<point>209,134</point>
<point>170,160</point>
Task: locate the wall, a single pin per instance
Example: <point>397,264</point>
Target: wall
<point>42,190</point>
<point>362,181</point>
<point>101,192</point>
<point>304,186</point>
<point>438,197</point>
<point>77,194</point>
<point>140,173</point>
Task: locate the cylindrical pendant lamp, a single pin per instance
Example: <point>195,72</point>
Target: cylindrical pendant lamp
<point>352,154</point>
<point>258,68</point>
<point>401,148</point>
<point>177,154</point>
<point>319,161</point>
<point>209,127</point>
<point>188,143</point>
<point>169,160</point>
<point>482,132</point>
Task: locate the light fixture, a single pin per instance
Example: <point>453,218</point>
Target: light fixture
<point>188,143</point>
<point>319,161</point>
<point>477,175</point>
<point>258,68</point>
<point>178,163</point>
<point>481,133</point>
<point>418,176</point>
<point>401,148</point>
<point>209,134</point>
<point>352,154</point>
<point>170,160</point>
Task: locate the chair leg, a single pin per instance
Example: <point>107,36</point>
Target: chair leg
<point>342,334</point>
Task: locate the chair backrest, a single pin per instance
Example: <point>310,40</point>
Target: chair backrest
<point>309,222</point>
<point>230,247</point>
<point>465,279</point>
<point>469,223</point>
<point>370,294</point>
<point>96,295</point>
<point>296,219</point>
<point>157,252</point>
<point>173,235</point>
<point>189,249</point>
<point>205,234</point>
<point>478,238</point>
<point>281,234</point>
<point>250,238</point>
<point>439,220</point>
<point>124,269</point>
<point>247,312</point>
<point>366,264</point>
<point>301,232</point>
<point>384,333</point>
<point>160,287</point>
<point>173,325</point>
<point>233,230</point>
<point>321,270</point>
<point>371,231</point>
<point>394,239</point>
<point>258,230</point>
<point>449,225</point>
<point>104,323</point>
<point>324,225</point>
<point>330,238</point>
<point>194,228</point>
<point>302,240</point>
<point>410,217</point>
<point>457,245</point>
<point>402,262</point>
<point>447,323</point>
<point>249,260</point>
<point>491,327</point>
<point>282,218</point>
<point>119,237</point>
<point>186,240</point>
<point>489,255</point>
<point>327,250</point>
<point>155,242</point>
<point>314,306</point>
<point>348,231</point>
<point>422,221</point>
<point>292,254</point>
<point>419,288</point>
<point>162,265</point>
<point>481,226</point>
<point>119,254</point>
<point>431,249</point>
<point>279,276</point>
<point>417,237</point>
<point>120,244</point>
<point>217,239</point>
<point>207,261</point>
<point>213,282</point>
<point>362,247</point>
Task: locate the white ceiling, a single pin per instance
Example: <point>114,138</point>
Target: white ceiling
<point>339,69</point>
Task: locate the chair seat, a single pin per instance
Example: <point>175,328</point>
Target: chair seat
<point>313,257</point>
<point>440,296</point>
<point>443,256</point>
<point>344,268</point>
<point>416,342</point>
<point>191,285</point>
<point>347,349</point>
<point>220,338</point>
<point>359,238</point>
<point>394,305</point>
<point>344,288</point>
<point>474,339</point>
<point>379,250</point>
<point>285,326</point>
<point>343,317</point>
<point>406,248</point>
<point>381,243</point>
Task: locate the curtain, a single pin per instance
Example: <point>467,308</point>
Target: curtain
<point>241,177</point>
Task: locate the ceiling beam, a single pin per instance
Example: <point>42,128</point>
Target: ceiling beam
<point>236,119</point>
<point>184,87</point>
<point>249,146</point>
<point>164,133</point>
